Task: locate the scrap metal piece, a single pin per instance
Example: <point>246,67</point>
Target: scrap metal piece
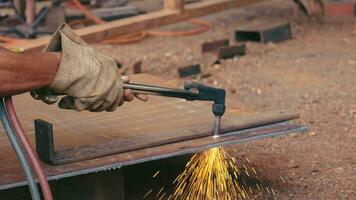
<point>214,45</point>
<point>44,141</point>
<point>137,67</point>
<point>224,52</point>
<point>231,51</point>
<point>264,32</point>
<point>191,70</point>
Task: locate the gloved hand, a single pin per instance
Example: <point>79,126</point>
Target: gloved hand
<point>90,80</point>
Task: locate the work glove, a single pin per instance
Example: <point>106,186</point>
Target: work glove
<point>90,80</point>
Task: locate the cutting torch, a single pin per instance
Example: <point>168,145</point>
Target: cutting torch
<point>192,91</point>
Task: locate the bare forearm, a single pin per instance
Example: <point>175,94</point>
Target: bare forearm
<point>22,72</point>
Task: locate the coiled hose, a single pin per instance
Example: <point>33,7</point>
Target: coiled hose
<point>19,151</point>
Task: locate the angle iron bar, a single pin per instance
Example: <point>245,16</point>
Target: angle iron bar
<point>297,129</point>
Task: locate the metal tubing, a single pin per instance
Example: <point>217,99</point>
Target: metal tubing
<point>19,152</point>
<point>161,91</point>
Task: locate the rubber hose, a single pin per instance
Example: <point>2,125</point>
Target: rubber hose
<point>19,152</point>
<point>31,154</point>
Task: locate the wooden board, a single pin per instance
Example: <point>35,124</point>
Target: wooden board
<point>140,23</point>
<point>135,123</point>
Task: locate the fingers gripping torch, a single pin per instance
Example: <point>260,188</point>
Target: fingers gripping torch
<point>192,91</point>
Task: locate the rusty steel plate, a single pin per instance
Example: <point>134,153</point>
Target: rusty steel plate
<point>159,121</point>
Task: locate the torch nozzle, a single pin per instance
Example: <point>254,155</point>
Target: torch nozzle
<point>216,128</point>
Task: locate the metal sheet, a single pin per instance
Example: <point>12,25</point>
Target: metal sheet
<point>161,118</point>
<point>264,32</point>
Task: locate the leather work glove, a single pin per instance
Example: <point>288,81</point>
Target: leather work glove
<point>90,80</point>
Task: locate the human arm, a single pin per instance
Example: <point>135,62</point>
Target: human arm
<point>22,72</point>
<point>89,79</point>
